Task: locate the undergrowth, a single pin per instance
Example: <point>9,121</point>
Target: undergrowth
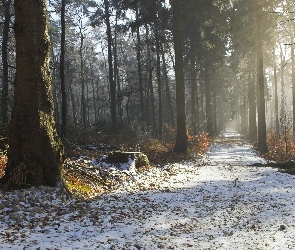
<point>280,148</point>
<point>128,138</point>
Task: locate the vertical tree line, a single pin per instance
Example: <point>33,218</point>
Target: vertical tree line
<point>158,66</point>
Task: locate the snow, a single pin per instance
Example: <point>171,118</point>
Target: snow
<point>218,202</point>
<point>126,167</point>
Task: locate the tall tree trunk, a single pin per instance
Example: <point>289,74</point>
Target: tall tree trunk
<point>276,100</point>
<point>262,146</point>
<point>214,107</point>
<point>94,96</point>
<point>209,118</point>
<point>64,106</point>
<point>111,74</point>
<point>243,112</point>
<point>150,79</point>
<point>252,107</point>
<point>116,73</point>
<point>140,84</point>
<point>82,75</point>
<point>181,144</point>
<point>87,113</point>
<point>6,6</point>
<point>158,71</point>
<point>283,110</point>
<point>35,152</point>
<point>169,102</point>
<point>74,106</point>
<point>293,81</point>
<point>193,93</point>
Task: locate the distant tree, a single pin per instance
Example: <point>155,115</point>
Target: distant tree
<point>35,152</point>
<point>181,144</point>
<point>276,101</point>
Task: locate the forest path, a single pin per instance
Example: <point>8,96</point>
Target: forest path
<point>231,148</point>
<point>220,202</point>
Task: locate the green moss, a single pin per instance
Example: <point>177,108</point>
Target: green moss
<point>80,188</point>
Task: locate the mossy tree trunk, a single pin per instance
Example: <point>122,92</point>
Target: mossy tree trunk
<point>35,151</point>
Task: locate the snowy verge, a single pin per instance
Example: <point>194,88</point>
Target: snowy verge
<point>222,203</point>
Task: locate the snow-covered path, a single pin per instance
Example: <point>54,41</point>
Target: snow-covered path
<point>224,203</point>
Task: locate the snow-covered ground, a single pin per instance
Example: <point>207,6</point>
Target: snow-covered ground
<point>219,202</point>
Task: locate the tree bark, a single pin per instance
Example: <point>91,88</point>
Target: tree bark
<point>252,108</point>
<point>150,79</point>
<point>262,146</point>
<point>35,152</point>
<point>5,37</point>
<point>82,75</point>
<point>209,119</point>
<point>193,82</point>
<point>111,74</point>
<point>276,101</point>
<point>64,106</point>
<point>181,144</point>
<point>158,71</point>
<point>140,84</point>
<point>169,102</point>
<point>283,109</point>
<point>293,81</point>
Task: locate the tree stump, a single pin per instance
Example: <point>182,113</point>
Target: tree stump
<point>123,157</point>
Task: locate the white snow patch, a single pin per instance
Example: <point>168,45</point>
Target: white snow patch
<point>223,204</point>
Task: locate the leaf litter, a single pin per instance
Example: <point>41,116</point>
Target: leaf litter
<point>219,201</point>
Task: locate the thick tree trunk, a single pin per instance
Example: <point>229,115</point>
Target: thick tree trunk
<point>181,144</point>
<point>262,146</point>
<point>6,6</point>
<point>35,152</point>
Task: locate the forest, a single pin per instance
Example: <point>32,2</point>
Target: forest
<point>147,124</point>
<point>164,75</point>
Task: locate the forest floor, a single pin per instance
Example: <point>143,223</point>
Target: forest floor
<point>219,201</point>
